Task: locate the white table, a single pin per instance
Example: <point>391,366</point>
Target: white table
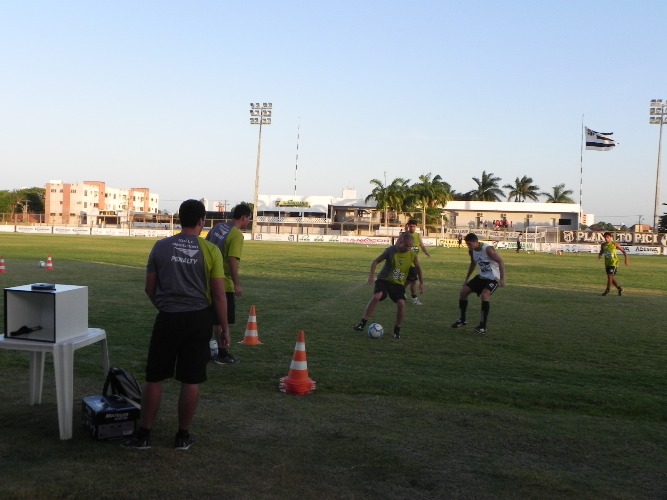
<point>63,366</point>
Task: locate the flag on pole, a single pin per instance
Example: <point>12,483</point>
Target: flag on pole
<point>599,141</point>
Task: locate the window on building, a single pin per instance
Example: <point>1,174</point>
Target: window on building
<point>564,222</point>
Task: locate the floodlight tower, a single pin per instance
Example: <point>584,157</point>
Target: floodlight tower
<point>260,114</point>
<point>658,116</point>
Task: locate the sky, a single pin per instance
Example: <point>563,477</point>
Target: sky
<point>157,94</point>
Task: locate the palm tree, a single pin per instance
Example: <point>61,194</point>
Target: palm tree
<point>559,195</point>
<point>398,194</point>
<point>380,195</point>
<point>429,193</point>
<point>487,188</point>
<point>523,188</point>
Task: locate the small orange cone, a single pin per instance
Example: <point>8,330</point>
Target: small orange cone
<point>49,264</point>
<point>297,382</point>
<point>251,335</point>
<point>2,265</point>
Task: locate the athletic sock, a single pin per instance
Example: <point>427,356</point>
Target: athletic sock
<point>486,306</point>
<point>397,329</point>
<point>142,432</point>
<point>363,322</point>
<point>463,305</point>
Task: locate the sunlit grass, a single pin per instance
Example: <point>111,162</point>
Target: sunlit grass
<point>563,398</point>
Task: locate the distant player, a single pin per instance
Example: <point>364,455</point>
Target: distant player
<point>609,249</point>
<point>417,244</point>
<point>491,275</point>
<point>391,280</point>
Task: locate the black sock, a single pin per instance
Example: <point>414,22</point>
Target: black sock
<point>485,313</point>
<point>363,322</point>
<point>397,329</point>
<point>142,432</point>
<point>182,432</point>
<point>463,305</point>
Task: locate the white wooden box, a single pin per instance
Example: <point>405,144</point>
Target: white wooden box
<point>49,315</point>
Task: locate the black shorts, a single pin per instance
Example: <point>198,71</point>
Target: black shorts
<point>179,346</point>
<point>231,310</point>
<point>611,270</point>
<point>412,274</point>
<point>394,291</point>
<point>479,284</point>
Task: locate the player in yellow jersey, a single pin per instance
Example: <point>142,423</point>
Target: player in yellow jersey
<point>391,280</point>
<point>417,244</point>
<point>609,249</point>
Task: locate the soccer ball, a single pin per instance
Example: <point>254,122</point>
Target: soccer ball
<point>375,330</point>
<point>213,348</point>
<point>42,263</point>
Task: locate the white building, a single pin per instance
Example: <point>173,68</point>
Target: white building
<point>519,215</point>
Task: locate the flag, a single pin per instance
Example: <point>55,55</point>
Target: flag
<point>599,141</point>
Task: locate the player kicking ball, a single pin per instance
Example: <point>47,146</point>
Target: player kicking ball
<point>491,276</point>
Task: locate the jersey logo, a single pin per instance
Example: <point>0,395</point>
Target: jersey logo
<point>190,252</point>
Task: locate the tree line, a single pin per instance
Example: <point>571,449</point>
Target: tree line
<point>26,200</point>
<point>423,199</point>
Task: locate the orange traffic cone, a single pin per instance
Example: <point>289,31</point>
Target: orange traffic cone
<point>251,335</point>
<point>2,265</point>
<point>49,264</point>
<point>297,382</point>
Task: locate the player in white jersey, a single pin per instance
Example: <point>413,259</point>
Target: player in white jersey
<point>491,275</point>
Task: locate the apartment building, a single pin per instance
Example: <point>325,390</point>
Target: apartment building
<point>82,204</point>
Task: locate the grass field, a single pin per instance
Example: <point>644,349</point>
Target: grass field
<point>566,396</point>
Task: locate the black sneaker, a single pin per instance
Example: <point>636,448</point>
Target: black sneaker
<point>606,292</point>
<point>620,291</point>
<point>396,335</point>
<point>481,330</point>
<point>359,327</point>
<point>226,360</point>
<point>183,441</point>
<point>136,442</point>
<point>459,323</point>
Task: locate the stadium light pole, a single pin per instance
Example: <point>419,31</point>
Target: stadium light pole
<point>657,116</point>
<point>260,114</point>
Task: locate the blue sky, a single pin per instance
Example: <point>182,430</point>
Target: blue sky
<point>156,94</point>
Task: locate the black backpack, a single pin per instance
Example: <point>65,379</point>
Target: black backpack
<point>121,383</point>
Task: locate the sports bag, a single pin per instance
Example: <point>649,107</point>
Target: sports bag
<point>120,382</point>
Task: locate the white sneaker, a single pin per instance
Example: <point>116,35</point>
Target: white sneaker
<point>417,302</point>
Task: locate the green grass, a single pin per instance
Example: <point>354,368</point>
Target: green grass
<point>565,397</point>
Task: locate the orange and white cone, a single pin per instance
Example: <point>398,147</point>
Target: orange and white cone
<point>49,264</point>
<point>251,335</point>
<point>2,265</point>
<point>297,381</point>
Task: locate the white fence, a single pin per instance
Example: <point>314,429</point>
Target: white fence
<point>534,243</point>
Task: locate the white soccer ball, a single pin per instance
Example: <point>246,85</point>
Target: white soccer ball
<point>375,330</point>
<point>42,263</point>
<point>213,348</point>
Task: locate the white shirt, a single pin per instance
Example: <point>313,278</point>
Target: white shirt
<point>488,268</point>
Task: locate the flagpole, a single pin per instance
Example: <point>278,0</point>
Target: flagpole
<point>581,170</point>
